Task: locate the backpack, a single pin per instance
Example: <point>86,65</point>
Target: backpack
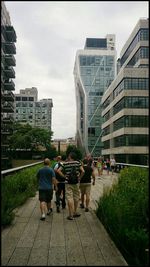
<point>58,177</point>
<point>73,176</point>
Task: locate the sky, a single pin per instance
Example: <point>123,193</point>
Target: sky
<point>49,33</point>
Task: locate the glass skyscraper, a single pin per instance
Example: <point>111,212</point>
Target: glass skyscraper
<point>94,71</point>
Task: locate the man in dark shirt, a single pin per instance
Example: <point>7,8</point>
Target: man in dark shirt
<point>85,184</point>
<point>60,193</point>
<point>46,180</point>
<point>72,171</point>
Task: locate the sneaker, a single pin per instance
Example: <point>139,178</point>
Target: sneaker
<point>70,218</point>
<point>76,215</point>
<point>42,217</point>
<point>82,206</point>
<point>49,211</point>
<point>86,209</point>
<point>58,210</point>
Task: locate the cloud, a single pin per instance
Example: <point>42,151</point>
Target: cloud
<point>49,33</point>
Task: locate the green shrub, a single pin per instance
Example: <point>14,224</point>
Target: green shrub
<point>16,189</point>
<point>124,212</point>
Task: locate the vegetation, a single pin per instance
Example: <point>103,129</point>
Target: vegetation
<point>73,148</point>
<point>124,213</point>
<point>32,140</point>
<point>16,189</point>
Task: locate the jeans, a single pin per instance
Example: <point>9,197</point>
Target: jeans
<point>61,189</point>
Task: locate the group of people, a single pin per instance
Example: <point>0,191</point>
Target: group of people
<point>109,164</point>
<point>71,180</point>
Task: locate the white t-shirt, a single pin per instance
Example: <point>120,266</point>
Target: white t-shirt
<point>112,162</point>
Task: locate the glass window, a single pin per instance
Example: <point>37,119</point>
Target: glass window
<point>24,98</point>
<point>18,98</point>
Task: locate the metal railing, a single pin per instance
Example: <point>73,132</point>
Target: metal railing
<point>120,166</point>
<point>12,170</point>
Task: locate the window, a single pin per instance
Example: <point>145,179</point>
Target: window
<point>24,98</point>
<point>91,131</point>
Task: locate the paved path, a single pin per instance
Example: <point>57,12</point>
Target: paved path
<point>57,241</point>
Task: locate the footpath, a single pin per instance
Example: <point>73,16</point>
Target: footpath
<point>57,241</point>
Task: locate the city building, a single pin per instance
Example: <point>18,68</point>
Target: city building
<point>126,102</point>
<point>29,110</point>
<point>8,62</point>
<point>62,144</point>
<point>94,70</point>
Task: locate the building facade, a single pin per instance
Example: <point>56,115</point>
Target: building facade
<point>62,144</point>
<point>8,62</point>
<point>29,110</point>
<point>94,71</point>
<point>126,102</point>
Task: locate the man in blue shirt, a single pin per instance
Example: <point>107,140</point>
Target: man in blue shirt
<point>46,180</point>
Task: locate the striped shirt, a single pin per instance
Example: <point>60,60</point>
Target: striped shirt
<point>67,167</point>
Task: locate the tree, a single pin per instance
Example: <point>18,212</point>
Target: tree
<point>73,148</point>
<point>28,137</point>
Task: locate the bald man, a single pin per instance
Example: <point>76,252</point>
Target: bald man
<point>47,180</point>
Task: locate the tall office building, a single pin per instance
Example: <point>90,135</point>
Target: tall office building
<point>94,71</point>
<point>29,110</point>
<point>126,102</point>
<point>8,49</point>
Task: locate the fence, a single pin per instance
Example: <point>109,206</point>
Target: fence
<point>120,166</point>
<point>10,171</point>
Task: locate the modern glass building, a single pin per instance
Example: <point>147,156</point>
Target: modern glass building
<point>126,102</point>
<point>8,62</point>
<point>29,110</point>
<point>94,71</point>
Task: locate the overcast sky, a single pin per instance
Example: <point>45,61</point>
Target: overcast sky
<point>49,33</point>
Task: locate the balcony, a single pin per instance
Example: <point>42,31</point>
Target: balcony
<point>10,60</point>
<point>10,34</point>
<point>9,48</point>
<point>8,97</point>
<point>6,131</point>
<point>9,85</point>
<point>9,72</point>
<point>8,120</point>
<point>8,108</point>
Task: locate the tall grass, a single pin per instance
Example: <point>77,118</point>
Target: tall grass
<point>16,189</point>
<point>125,214</point>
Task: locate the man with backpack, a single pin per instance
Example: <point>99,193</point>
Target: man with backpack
<point>72,171</point>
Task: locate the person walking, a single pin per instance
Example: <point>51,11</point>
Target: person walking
<point>107,165</point>
<point>112,164</point>
<point>85,184</point>
<point>60,193</point>
<point>72,171</point>
<point>46,181</point>
<point>99,166</point>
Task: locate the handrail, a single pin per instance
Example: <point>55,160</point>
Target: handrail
<point>120,166</point>
<point>127,164</point>
<point>9,171</point>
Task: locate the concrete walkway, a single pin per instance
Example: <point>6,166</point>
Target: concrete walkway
<point>57,241</point>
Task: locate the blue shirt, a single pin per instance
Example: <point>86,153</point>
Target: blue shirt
<point>45,176</point>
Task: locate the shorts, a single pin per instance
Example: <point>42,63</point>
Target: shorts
<point>45,195</point>
<point>85,188</point>
<point>72,192</point>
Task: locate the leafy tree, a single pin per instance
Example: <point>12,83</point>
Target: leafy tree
<point>28,137</point>
<point>73,148</point>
